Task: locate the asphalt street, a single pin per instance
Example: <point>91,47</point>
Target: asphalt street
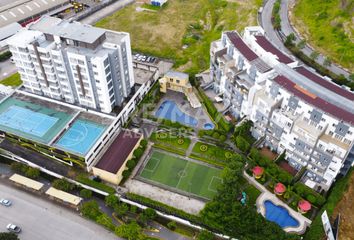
<point>42,220</point>
<point>6,69</point>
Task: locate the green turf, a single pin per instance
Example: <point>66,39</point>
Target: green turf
<point>183,175</point>
<point>13,80</point>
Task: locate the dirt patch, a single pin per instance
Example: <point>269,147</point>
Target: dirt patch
<point>345,208</point>
<point>268,153</point>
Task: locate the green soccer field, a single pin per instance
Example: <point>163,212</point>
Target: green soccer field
<point>183,175</point>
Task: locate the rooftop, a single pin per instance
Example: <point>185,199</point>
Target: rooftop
<point>317,101</point>
<point>23,9</point>
<point>269,47</point>
<point>325,83</point>
<point>180,75</point>
<point>241,46</point>
<point>118,152</point>
<point>70,30</point>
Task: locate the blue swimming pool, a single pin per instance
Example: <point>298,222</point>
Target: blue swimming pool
<point>208,126</point>
<point>279,215</point>
<point>81,136</point>
<point>169,110</point>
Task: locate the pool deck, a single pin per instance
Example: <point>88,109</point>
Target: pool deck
<point>266,195</point>
<point>179,98</point>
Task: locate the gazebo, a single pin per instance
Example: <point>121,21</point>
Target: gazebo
<point>303,206</point>
<point>279,189</point>
<point>257,172</point>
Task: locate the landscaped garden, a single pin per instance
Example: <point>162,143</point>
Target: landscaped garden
<point>170,142</point>
<point>328,27</point>
<point>182,30</point>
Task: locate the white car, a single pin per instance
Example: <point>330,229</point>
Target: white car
<point>5,202</point>
<point>13,228</point>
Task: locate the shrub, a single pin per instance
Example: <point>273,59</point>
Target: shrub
<point>100,186</point>
<point>63,185</point>
<point>133,208</point>
<point>172,225</point>
<point>205,235</point>
<point>85,193</point>
<point>4,56</point>
<point>138,153</point>
<point>105,221</point>
<point>111,200</point>
<point>216,135</point>
<point>90,210</point>
<point>242,144</point>
<point>222,138</point>
<point>8,236</point>
<point>131,164</point>
<point>311,198</point>
<point>228,154</point>
<point>33,173</point>
<point>121,209</point>
<point>143,143</point>
<point>126,173</point>
<point>203,148</point>
<point>131,231</point>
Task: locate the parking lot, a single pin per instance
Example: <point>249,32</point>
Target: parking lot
<point>42,220</point>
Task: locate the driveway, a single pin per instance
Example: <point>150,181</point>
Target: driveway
<point>43,220</point>
<point>7,69</point>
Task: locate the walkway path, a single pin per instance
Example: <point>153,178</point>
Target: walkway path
<point>286,29</point>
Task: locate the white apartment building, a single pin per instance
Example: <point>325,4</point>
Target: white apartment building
<point>292,107</point>
<point>79,64</point>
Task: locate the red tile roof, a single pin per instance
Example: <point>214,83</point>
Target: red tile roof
<point>279,188</point>
<point>118,152</point>
<point>241,46</point>
<point>257,170</point>
<point>266,45</point>
<point>304,205</point>
<point>317,101</point>
<point>324,83</point>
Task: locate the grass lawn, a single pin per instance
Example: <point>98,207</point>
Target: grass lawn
<point>252,194</point>
<point>13,80</point>
<point>192,23</point>
<point>328,27</point>
<point>183,175</point>
<point>211,153</point>
<point>170,142</point>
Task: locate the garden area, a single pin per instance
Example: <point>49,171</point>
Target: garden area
<point>170,142</point>
<point>13,80</point>
<point>211,154</point>
<point>182,30</point>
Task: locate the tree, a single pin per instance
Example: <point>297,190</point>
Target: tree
<point>32,173</point>
<point>90,210</point>
<point>314,55</point>
<point>126,173</point>
<point>242,144</point>
<point>131,164</point>
<point>311,198</point>
<point>301,44</point>
<point>105,221</point>
<point>147,215</point>
<point>18,167</point>
<point>121,209</point>
<point>172,225</point>
<point>131,231</point>
<point>205,235</point>
<point>8,236</point>
<point>327,62</point>
<point>111,200</point>
<point>290,39</point>
<point>63,184</point>
<point>143,143</point>
<point>138,153</point>
<point>133,208</point>
<point>85,193</point>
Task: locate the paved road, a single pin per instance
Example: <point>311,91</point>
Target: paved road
<point>104,12</point>
<point>6,69</point>
<point>43,220</point>
<point>287,28</point>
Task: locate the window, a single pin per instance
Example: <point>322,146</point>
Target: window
<point>105,63</point>
<point>177,81</point>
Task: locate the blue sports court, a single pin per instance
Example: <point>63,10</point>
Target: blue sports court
<point>81,136</point>
<point>27,121</point>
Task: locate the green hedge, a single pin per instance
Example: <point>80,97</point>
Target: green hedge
<point>94,184</point>
<point>4,56</point>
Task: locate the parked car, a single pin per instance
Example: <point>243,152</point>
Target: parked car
<point>5,202</point>
<point>136,56</point>
<point>143,59</point>
<point>13,228</point>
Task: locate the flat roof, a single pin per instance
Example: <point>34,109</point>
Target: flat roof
<point>174,74</point>
<point>325,83</point>
<point>23,9</point>
<point>117,153</point>
<point>315,100</point>
<point>9,30</point>
<point>269,47</point>
<point>64,196</point>
<point>26,182</point>
<point>69,30</point>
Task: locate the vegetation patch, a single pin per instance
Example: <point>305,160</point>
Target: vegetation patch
<point>13,80</point>
<point>328,27</point>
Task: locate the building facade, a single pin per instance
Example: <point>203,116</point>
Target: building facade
<point>292,108</point>
<point>75,63</point>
